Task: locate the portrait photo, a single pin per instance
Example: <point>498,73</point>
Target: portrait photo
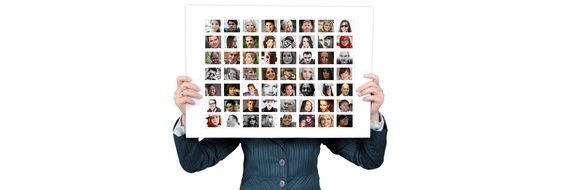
<point>326,89</point>
<point>269,57</point>
<point>345,42</point>
<point>232,89</point>
<point>344,26</point>
<point>269,73</point>
<point>288,120</point>
<point>307,58</point>
<point>344,120</point>
<point>269,120</point>
<point>213,25</point>
<point>250,57</point>
<point>344,57</point>
<point>233,42</point>
<point>288,105</point>
<point>251,105</point>
<point>288,73</point>
<point>287,42</point>
<point>213,120</point>
<point>287,89</point>
<point>250,42</point>
<point>344,105</point>
<point>306,42</point>
<point>344,73</point>
<point>306,120</point>
<point>269,89</point>
<point>250,89</point>
<point>232,120</point>
<point>306,89</point>
<point>288,57</point>
<point>212,89</point>
<point>325,57</point>
<point>269,26</point>
<point>250,73</point>
<point>214,106</point>
<point>250,25</point>
<point>251,120</point>
<point>306,25</point>
<point>306,105</point>
<point>345,89</point>
<point>307,73</point>
<point>231,26</point>
<point>325,25</point>
<point>212,57</point>
<point>325,105</point>
<point>288,25</point>
<point>212,41</point>
<point>231,74</point>
<point>269,105</point>
<point>232,58</point>
<point>212,73</point>
<point>231,105</point>
<point>269,42</point>
<point>326,120</point>
<point>325,42</point>
<point>325,73</point>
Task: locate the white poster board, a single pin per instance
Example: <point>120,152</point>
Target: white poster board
<point>229,51</point>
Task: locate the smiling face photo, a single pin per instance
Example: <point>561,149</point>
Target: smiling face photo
<point>269,89</point>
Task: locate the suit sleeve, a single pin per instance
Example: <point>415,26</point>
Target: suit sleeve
<point>367,153</point>
<point>195,155</point>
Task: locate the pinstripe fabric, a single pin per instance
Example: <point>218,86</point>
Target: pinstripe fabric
<point>262,167</point>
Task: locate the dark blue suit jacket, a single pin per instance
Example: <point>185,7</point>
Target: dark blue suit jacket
<point>273,163</point>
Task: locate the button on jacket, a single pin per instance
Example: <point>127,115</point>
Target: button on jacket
<point>289,163</point>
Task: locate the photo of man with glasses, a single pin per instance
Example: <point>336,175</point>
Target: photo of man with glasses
<point>212,106</point>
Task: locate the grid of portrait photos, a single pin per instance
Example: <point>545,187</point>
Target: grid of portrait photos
<point>278,73</point>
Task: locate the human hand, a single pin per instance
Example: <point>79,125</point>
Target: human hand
<point>185,93</point>
<point>377,96</point>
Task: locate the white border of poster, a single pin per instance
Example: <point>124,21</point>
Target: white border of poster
<point>201,123</point>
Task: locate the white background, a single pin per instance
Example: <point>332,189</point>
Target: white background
<point>477,96</point>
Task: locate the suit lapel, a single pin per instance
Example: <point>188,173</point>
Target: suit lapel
<point>279,142</point>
